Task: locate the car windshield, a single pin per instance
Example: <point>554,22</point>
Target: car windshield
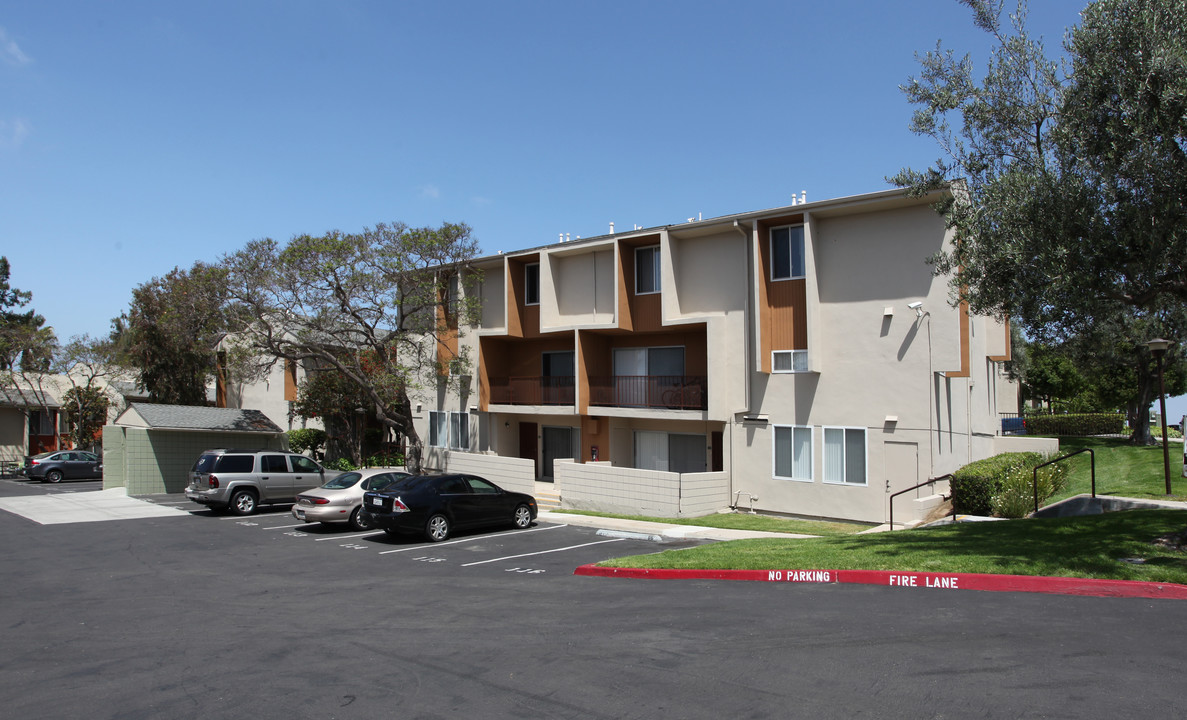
<point>343,481</point>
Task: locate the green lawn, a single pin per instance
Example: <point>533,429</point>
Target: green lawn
<point>746,521</point>
<point>1123,469</point>
<point>1091,546</point>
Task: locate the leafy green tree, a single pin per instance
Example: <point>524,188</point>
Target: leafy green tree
<point>85,407</point>
<point>329,396</point>
<point>170,333</point>
<point>25,344</point>
<point>382,308</point>
<point>1069,181</point>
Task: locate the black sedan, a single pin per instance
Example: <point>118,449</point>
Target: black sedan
<point>59,465</point>
<point>436,505</point>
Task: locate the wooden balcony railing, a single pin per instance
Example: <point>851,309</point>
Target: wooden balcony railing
<point>553,390</point>
<point>672,392</point>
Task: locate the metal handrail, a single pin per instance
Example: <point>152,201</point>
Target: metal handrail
<point>916,487</point>
<point>1035,479</point>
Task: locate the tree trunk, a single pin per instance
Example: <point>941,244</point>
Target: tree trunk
<point>1138,410</point>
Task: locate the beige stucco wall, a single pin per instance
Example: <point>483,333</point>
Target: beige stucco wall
<point>588,280</point>
<point>493,291</point>
<point>13,434</point>
<point>878,371</point>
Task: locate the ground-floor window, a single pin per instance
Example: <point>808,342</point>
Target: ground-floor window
<point>793,453</point>
<point>845,455</point>
<point>449,429</point>
<point>670,452</point>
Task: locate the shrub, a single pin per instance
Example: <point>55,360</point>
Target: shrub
<point>1016,493</point>
<point>343,464</point>
<point>975,484</point>
<point>1080,424</point>
<point>303,439</point>
<point>385,460</point>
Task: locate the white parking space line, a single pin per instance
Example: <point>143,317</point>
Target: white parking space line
<point>282,527</point>
<point>342,537</point>
<point>422,546</point>
<point>543,552</point>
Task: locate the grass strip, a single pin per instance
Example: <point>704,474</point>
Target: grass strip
<point>745,521</point>
<point>1092,547</point>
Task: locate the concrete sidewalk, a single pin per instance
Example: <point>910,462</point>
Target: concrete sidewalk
<point>657,530</point>
<point>59,508</point>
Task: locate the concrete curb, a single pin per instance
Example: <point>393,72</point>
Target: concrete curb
<point>1090,587</point>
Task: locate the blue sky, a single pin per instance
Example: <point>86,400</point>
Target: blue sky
<point>140,136</point>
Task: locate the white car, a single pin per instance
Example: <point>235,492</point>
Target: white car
<point>340,499</point>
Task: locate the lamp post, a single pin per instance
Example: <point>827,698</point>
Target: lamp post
<point>1158,348</point>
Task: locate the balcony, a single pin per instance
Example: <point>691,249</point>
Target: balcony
<point>551,390</point>
<point>669,392</point>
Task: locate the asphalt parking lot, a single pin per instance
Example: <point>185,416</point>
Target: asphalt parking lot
<point>543,548</point>
<point>197,615</point>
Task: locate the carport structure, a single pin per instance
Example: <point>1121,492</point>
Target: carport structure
<point>150,448</point>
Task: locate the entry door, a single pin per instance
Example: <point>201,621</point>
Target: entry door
<point>558,443</point>
<point>529,446</point>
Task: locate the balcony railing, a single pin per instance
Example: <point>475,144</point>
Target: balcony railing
<point>672,392</point>
<point>552,390</point>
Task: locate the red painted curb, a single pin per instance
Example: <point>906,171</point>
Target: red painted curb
<point>1091,587</point>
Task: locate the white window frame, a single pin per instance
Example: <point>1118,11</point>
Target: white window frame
<point>527,284</point>
<point>656,275</point>
<point>775,450</point>
<point>449,430</point>
<point>801,355</point>
<point>865,435</point>
<point>790,252</point>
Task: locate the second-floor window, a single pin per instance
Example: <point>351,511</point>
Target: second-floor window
<point>531,284</point>
<point>787,252</point>
<point>647,270</point>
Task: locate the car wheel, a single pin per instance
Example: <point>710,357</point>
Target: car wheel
<point>243,502</point>
<point>522,517</point>
<point>437,528</point>
<point>54,476</point>
<point>359,521</point>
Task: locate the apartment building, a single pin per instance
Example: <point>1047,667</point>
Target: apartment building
<point>800,360</point>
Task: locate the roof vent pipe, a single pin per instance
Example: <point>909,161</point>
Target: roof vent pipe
<point>611,227</point>
<point>803,196</point>
<point>568,237</point>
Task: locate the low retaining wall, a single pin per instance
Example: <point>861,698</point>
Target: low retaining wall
<point>605,488</point>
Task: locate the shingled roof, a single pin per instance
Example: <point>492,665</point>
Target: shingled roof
<point>18,398</point>
<point>192,417</point>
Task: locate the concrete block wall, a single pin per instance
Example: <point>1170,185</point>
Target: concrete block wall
<point>149,462</point>
<point>509,473</point>
<point>603,487</point>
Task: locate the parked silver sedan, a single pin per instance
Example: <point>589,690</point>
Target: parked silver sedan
<point>340,499</point>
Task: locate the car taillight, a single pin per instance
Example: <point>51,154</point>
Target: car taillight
<point>212,482</point>
<point>313,499</point>
<point>34,461</point>
<point>398,505</point>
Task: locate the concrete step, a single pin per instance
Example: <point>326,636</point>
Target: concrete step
<point>548,500</point>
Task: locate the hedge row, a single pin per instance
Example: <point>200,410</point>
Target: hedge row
<point>1078,424</point>
<point>1001,485</point>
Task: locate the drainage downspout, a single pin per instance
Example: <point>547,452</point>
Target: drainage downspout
<point>747,236</point>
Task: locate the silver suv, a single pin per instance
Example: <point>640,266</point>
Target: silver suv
<point>242,480</point>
